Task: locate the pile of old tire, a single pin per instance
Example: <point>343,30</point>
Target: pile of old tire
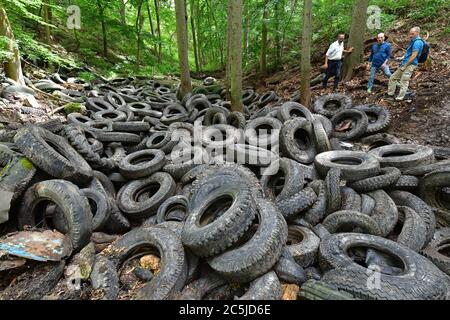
<point>132,178</point>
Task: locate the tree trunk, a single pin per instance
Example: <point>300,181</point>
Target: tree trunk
<point>123,16</point>
<point>263,67</point>
<point>246,29</point>
<point>139,26</point>
<point>12,66</point>
<point>194,36</point>
<point>286,25</point>
<point>356,38</point>
<point>305,73</point>
<point>277,34</point>
<point>158,30</point>
<point>152,29</point>
<point>199,36</point>
<point>105,39</point>
<point>235,20</point>
<point>182,40</point>
<point>45,13</point>
<point>228,65</point>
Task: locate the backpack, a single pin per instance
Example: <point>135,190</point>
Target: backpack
<point>425,52</point>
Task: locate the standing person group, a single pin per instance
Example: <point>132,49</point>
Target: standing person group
<point>379,58</point>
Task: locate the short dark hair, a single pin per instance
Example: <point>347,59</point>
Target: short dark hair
<point>343,33</point>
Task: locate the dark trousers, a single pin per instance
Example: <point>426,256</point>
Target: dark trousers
<point>334,69</point>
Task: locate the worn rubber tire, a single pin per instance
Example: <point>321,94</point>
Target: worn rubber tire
<point>421,280</point>
<point>413,232</point>
<point>380,114</point>
<point>343,102</point>
<point>388,177</point>
<point>129,198</point>
<point>297,141</point>
<point>71,202</point>
<point>296,204</point>
<point>58,158</point>
<point>360,122</point>
<point>385,212</point>
<point>303,245</point>
<point>403,156</point>
<point>264,288</point>
<point>258,255</point>
<point>355,165</point>
<point>218,235</point>
<point>142,164</point>
<point>99,205</point>
<point>349,220</point>
<point>350,199</point>
<point>176,203</point>
<point>402,198</point>
<point>333,190</point>
<point>430,187</point>
<point>154,240</point>
<point>287,181</point>
<point>291,110</point>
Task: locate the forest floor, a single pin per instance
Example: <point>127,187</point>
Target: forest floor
<point>425,119</point>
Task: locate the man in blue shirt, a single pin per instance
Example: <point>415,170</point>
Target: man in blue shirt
<point>379,57</point>
<point>403,75</point>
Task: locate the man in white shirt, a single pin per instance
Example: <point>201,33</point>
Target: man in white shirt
<point>333,60</point>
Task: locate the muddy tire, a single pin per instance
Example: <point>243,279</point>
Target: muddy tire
<point>99,208</point>
<point>402,198</point>
<point>347,221</point>
<point>354,165</point>
<point>388,177</point>
<point>226,197</point>
<point>431,189</point>
<point>297,141</point>
<point>403,156</point>
<point>155,240</point>
<point>379,117</point>
<point>340,102</point>
<point>265,288</point>
<point>360,123</point>
<point>420,279</point>
<point>303,245</point>
<point>140,199</point>
<point>142,164</point>
<point>53,154</point>
<point>258,255</point>
<point>291,110</point>
<point>413,234</point>
<point>385,212</point>
<point>69,199</point>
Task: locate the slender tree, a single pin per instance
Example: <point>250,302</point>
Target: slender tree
<point>182,39</point>
<point>139,27</point>
<point>46,16</point>
<point>263,66</point>
<point>194,35</point>
<point>158,30</point>
<point>305,73</point>
<point>12,66</point>
<point>235,35</point>
<point>356,38</point>
<point>123,12</point>
<point>101,9</point>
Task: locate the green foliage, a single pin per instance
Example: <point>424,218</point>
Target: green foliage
<point>210,17</point>
<point>5,54</point>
